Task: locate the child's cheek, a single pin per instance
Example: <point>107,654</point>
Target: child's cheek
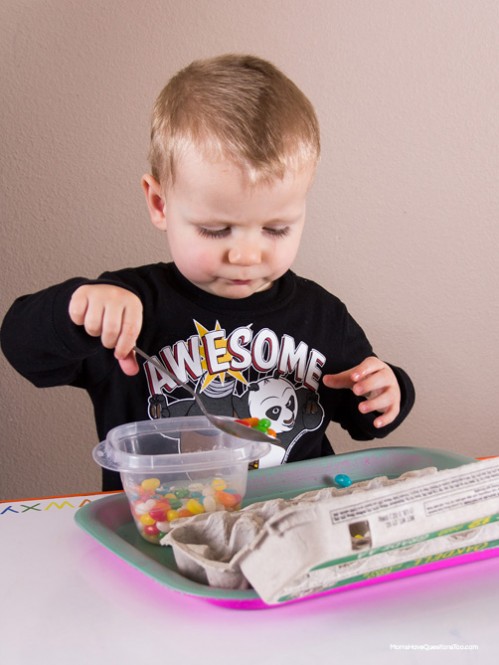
<point>198,265</point>
<point>203,260</point>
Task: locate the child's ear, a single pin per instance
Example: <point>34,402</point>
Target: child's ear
<point>155,201</point>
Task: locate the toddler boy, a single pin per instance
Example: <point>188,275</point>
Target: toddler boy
<point>234,148</point>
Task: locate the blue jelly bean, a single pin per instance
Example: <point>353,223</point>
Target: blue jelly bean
<point>343,480</point>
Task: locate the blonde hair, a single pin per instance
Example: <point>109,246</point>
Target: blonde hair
<point>236,107</point>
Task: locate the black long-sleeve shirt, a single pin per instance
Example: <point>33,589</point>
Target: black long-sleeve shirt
<point>261,356</point>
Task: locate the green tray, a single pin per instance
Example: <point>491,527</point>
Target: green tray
<point>109,520</point>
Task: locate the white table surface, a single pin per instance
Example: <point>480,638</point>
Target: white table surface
<point>64,598</point>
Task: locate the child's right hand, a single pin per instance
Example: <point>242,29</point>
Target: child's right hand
<point>113,314</point>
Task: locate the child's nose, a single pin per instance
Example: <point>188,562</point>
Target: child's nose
<point>245,254</point>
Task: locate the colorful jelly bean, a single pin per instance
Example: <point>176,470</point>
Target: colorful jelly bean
<point>183,512</point>
<point>263,425</point>
<point>209,504</point>
<point>155,505</point>
<point>343,480</point>
<point>218,484</point>
<point>227,499</point>
<point>260,424</point>
<point>196,487</point>
<point>150,484</point>
<point>194,507</point>
<point>159,512</point>
<point>146,520</point>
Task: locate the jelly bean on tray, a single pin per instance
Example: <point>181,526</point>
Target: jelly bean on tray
<point>342,480</point>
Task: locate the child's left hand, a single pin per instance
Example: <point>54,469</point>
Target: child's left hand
<point>374,380</point>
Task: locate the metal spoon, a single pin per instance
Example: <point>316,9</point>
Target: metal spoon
<point>227,425</point>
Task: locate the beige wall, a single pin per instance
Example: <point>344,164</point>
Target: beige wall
<point>403,219</point>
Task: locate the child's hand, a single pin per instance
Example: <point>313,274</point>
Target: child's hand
<point>376,381</point>
<point>113,314</point>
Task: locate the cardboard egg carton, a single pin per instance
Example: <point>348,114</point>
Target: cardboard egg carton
<point>288,549</point>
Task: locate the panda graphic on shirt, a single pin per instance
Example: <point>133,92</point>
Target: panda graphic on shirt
<point>242,374</point>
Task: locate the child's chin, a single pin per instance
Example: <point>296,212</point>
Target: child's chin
<point>236,293</point>
<point>235,289</point>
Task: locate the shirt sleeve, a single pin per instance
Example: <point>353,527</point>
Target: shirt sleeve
<point>41,342</point>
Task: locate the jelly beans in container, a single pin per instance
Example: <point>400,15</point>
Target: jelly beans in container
<point>173,468</point>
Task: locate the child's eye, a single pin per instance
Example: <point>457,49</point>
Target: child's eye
<point>274,231</point>
<point>277,231</point>
<point>213,233</point>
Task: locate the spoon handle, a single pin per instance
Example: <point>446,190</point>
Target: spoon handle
<point>164,370</point>
<point>186,386</point>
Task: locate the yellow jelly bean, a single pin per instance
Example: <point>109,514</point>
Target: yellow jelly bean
<point>150,484</point>
<point>194,507</point>
<point>172,515</point>
<point>218,484</point>
<point>147,520</point>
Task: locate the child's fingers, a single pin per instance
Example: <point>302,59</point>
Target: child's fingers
<point>131,325</point>
<point>373,382</point>
<point>350,377</point>
<point>340,380</point>
<point>112,313</point>
<point>367,367</point>
<point>87,311</point>
<point>381,402</point>
<point>111,324</point>
<point>386,402</point>
<point>78,307</point>
<point>129,365</point>
<point>387,417</point>
<point>93,319</point>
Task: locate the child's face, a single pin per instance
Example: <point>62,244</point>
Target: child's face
<point>226,236</point>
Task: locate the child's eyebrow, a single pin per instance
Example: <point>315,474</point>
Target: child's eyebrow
<point>283,221</point>
<point>208,223</point>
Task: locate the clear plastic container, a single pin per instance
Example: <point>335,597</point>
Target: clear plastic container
<point>177,467</point>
